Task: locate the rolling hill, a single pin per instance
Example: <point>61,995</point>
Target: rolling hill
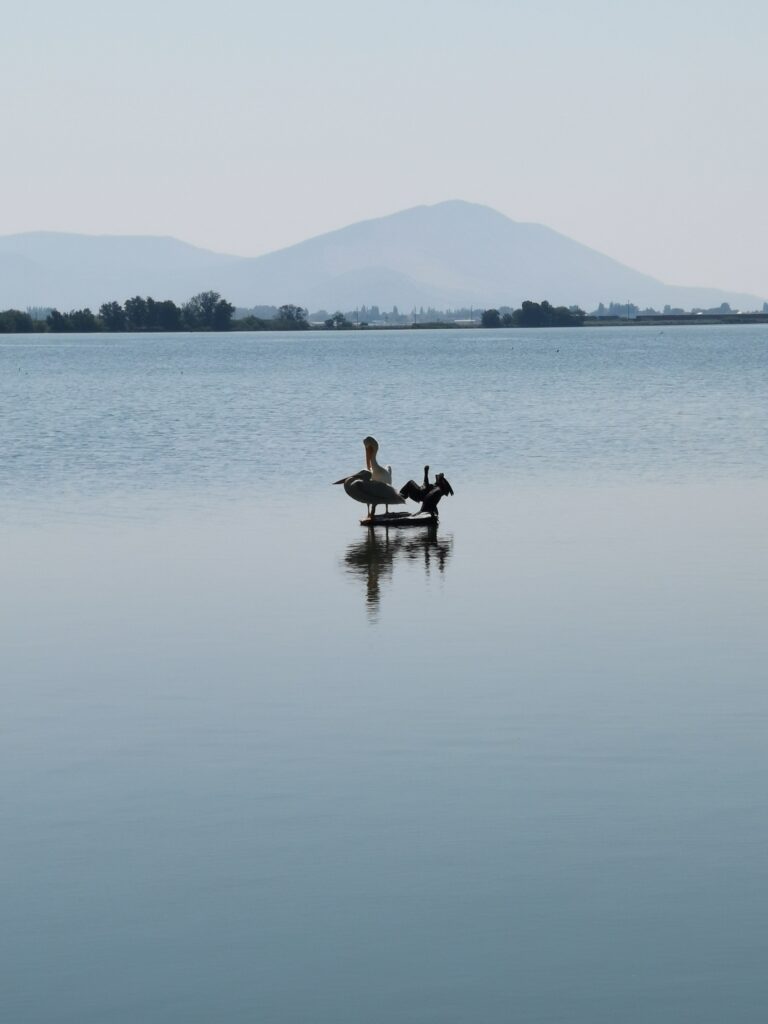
<point>448,255</point>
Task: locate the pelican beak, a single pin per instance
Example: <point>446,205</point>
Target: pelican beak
<point>368,455</point>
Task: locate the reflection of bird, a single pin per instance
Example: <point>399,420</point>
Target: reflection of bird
<point>372,560</point>
<point>363,488</point>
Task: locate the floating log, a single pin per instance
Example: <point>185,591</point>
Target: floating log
<point>400,519</point>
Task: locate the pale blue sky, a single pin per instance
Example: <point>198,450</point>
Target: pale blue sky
<point>637,129</point>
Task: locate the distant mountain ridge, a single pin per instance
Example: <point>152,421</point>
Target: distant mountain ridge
<point>449,255</point>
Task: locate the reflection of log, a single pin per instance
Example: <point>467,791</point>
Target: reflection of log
<point>399,519</point>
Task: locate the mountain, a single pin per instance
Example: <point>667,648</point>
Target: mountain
<point>50,269</point>
<point>448,255</point>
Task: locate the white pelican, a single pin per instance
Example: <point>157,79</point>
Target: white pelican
<point>372,486</point>
<point>382,473</point>
<point>362,487</point>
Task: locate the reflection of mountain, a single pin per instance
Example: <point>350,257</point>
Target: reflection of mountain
<point>372,559</point>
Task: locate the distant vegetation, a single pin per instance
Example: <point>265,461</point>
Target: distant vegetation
<point>13,321</point>
<point>204,312</point>
<point>534,314</point>
<point>208,311</point>
<point>285,318</point>
<point>629,311</point>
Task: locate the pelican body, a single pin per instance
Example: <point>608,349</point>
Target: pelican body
<point>363,488</point>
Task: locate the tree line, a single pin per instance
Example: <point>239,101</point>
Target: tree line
<point>534,314</point>
<point>204,312</point>
<point>208,311</point>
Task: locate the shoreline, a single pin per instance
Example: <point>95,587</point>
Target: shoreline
<point>692,320</point>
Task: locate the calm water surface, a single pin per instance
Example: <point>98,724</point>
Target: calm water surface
<point>258,764</point>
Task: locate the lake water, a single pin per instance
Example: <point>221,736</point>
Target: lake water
<point>258,764</point>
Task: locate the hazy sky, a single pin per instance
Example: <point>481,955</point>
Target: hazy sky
<point>636,128</point>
